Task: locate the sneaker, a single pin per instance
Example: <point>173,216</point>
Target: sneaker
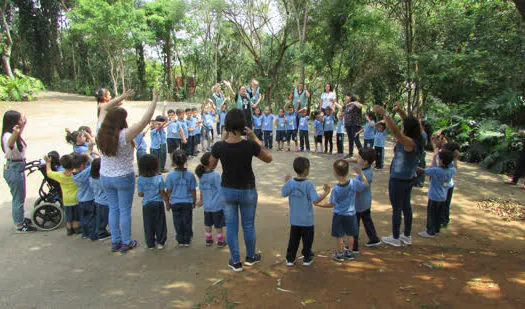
<point>28,221</point>
<point>307,150</point>
<point>426,235</point>
<point>186,245</point>
<point>355,251</point>
<point>373,243</point>
<point>115,246</point>
<point>83,236</point>
<point>290,264</point>
<point>390,240</point>
<point>378,168</point>
<point>24,228</point>
<point>308,261</point>
<point>151,248</point>
<point>78,231</point>
<point>253,260</point>
<point>125,248</point>
<point>209,242</point>
<point>70,232</point>
<point>236,267</point>
<point>104,236</point>
<point>221,244</point>
<point>160,246</point>
<point>407,240</point>
<point>338,256</point>
<point>443,225</point>
<point>349,255</point>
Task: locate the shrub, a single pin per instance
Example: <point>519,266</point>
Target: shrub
<point>20,88</point>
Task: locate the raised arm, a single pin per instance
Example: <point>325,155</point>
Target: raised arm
<point>229,85</point>
<point>407,142</point>
<point>113,103</point>
<point>136,128</point>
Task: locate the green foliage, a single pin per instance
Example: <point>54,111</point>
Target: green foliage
<point>20,88</point>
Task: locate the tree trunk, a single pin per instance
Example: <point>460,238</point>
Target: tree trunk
<point>112,75</point>
<point>408,42</point>
<point>122,72</point>
<point>141,68</point>
<point>6,56</point>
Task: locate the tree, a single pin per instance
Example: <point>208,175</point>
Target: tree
<point>6,39</point>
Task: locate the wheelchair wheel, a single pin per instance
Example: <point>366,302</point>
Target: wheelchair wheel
<point>48,216</point>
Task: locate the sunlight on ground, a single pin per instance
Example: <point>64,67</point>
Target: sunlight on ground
<point>182,285</point>
<point>114,293</point>
<point>520,278</point>
<point>484,287</point>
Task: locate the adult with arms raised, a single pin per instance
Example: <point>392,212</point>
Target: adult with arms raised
<point>14,148</point>
<point>217,98</point>
<point>238,192</point>
<point>115,142</point>
<point>243,101</point>
<point>409,145</point>
<point>327,98</point>
<point>255,93</point>
<point>299,98</point>
<point>353,117</point>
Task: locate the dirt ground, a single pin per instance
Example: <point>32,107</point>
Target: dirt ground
<point>478,261</point>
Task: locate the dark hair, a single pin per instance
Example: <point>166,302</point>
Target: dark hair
<point>67,162</point>
<point>148,166</point>
<point>71,137</point>
<point>170,111</point>
<point>381,124</point>
<point>85,129</point>
<point>160,118</point>
<point>258,108</point>
<point>108,134</point>
<point>451,147</point>
<point>235,121</point>
<point>300,165</point>
<point>187,110</point>
<point>100,94</point>
<point>205,162</point>
<point>353,98</point>
<point>369,155</point>
<point>371,115</point>
<point>11,119</point>
<point>95,169</point>
<point>194,109</point>
<point>317,113</point>
<point>179,111</point>
<point>179,158</point>
<point>55,159</point>
<point>446,156</point>
<point>324,89</point>
<point>341,167</point>
<point>427,126</point>
<point>79,159</point>
<point>412,129</point>
<point>328,108</point>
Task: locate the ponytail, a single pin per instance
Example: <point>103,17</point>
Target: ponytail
<point>205,163</point>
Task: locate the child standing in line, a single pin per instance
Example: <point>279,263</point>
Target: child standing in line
<point>191,131</point>
<point>257,123</point>
<point>69,192</point>
<point>208,119</point>
<point>181,189</point>
<point>340,133</point>
<point>281,129</point>
<point>291,126</point>
<point>210,185</point>
<point>369,130</point>
<point>267,123</point>
<point>197,123</point>
<point>301,194</point>
<point>222,117</point>
<point>379,144</point>
<point>158,141</point>
<point>304,142</point>
<point>328,120</point>
<point>172,132</point>
<point>440,178</point>
<point>140,144</point>
<point>151,187</point>
<point>342,199</point>
<point>181,137</point>
<point>85,196</point>
<point>445,214</point>
<point>318,131</point>
<point>101,201</point>
<point>363,200</point>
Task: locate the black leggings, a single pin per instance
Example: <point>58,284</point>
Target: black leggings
<point>328,135</point>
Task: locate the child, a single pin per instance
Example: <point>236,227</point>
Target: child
<point>328,120</point>
<point>210,184</point>
<point>257,123</point>
<point>281,129</point>
<point>445,214</point>
<point>379,145</point>
<point>437,192</point>
<point>208,115</point>
<point>151,187</point>
<point>303,131</point>
<point>318,131</point>
<point>267,123</point>
<point>340,133</point>
<point>85,196</point>
<point>140,144</point>
<point>301,194</point>
<point>79,139</point>
<point>69,192</point>
<point>191,132</point>
<point>101,201</point>
<point>197,124</point>
<point>172,132</point>
<point>291,129</point>
<point>181,189</point>
<point>363,200</point>
<point>158,141</point>
<point>222,117</point>
<point>369,130</point>
<point>181,137</point>
<point>342,199</point>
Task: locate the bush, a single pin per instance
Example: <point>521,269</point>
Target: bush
<point>21,88</point>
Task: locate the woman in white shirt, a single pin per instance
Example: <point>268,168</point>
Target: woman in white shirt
<point>327,98</point>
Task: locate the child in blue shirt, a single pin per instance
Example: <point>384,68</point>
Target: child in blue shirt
<point>159,140</point>
<point>318,131</point>
<point>267,123</point>
<point>379,144</point>
<point>340,133</point>
<point>440,178</point>
<point>304,142</point>
<point>101,201</point>
<point>208,120</point>
<point>80,140</point>
<point>210,185</point>
<point>172,132</point>
<point>291,126</point>
<point>197,124</point>
<point>140,144</point>
<point>369,130</point>
<point>301,195</point>
<point>257,123</point>
<point>342,199</point>
<point>445,214</point>
<point>281,129</point>
<point>181,137</point>
<point>328,120</point>
<point>85,196</point>
<point>191,132</point>
<point>363,200</point>
<point>151,187</point>
<point>222,117</point>
<point>181,189</point>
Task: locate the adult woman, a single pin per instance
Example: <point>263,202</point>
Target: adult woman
<point>243,102</point>
<point>217,98</point>
<point>238,192</point>
<point>353,117</point>
<point>327,97</point>
<point>103,96</point>
<point>402,173</point>
<point>115,141</point>
<point>255,93</point>
<point>14,146</point>
<point>298,98</point>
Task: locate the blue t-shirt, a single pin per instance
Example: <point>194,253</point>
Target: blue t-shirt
<point>191,125</point>
<point>173,130</point>
<point>268,122</point>
<point>290,121</point>
<point>81,179</point>
<point>158,137</point>
<point>151,187</point>
<point>181,183</point>
<point>257,122</point>
<point>222,117</point>
<point>363,200</point>
<point>301,194</point>
<point>439,182</point>
<point>210,185</point>
<point>328,123</point>
<point>303,123</point>
<point>343,197</point>
<point>81,149</point>
<point>98,191</point>
<point>182,125</point>
<point>140,142</point>
<point>281,123</point>
<point>340,128</point>
<point>197,126</point>
<point>369,132</point>
<point>208,120</point>
<point>379,139</point>
<point>318,125</point>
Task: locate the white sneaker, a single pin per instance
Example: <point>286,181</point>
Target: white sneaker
<point>407,240</point>
<point>160,247</point>
<point>290,264</point>
<point>426,235</point>
<point>391,241</point>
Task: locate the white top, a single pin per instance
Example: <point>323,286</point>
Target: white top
<point>326,97</point>
<point>12,153</point>
<point>122,163</point>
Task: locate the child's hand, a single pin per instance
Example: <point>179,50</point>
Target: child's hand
<point>287,177</point>
<point>47,159</point>
<point>17,129</point>
<point>249,134</point>
<point>420,170</point>
<point>358,170</point>
<point>378,109</point>
<point>326,188</point>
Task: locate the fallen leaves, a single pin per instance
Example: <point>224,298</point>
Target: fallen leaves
<point>509,210</point>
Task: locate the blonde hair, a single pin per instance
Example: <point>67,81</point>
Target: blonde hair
<point>254,81</point>
<point>214,87</point>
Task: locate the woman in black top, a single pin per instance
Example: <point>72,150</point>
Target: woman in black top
<point>353,113</point>
<point>243,101</point>
<point>238,192</point>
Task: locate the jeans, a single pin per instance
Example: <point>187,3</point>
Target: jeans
<point>445,211</point>
<point>183,222</point>
<point>268,139</point>
<point>88,219</point>
<point>380,156</point>
<point>16,180</point>
<point>245,201</point>
<point>400,191</point>
<point>160,154</point>
<point>328,139</point>
<point>140,153</point>
<point>119,191</point>
<point>102,219</point>
<point>370,229</point>
<point>369,143</point>
<point>304,140</point>
<point>340,137</point>
<point>306,233</point>
<point>434,209</point>
<point>351,131</point>
<point>154,218</point>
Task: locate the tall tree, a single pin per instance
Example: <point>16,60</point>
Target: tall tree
<point>6,40</point>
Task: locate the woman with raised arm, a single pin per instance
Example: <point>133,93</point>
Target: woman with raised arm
<point>242,101</point>
<point>299,98</point>
<point>115,142</point>
<point>217,98</point>
<point>238,192</point>
<point>255,93</point>
<point>327,98</point>
<point>409,145</point>
<point>353,110</point>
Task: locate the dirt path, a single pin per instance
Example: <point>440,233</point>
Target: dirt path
<point>51,270</point>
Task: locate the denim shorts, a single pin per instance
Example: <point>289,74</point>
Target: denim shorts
<point>215,219</point>
<point>344,226</point>
<point>280,136</point>
<point>72,213</point>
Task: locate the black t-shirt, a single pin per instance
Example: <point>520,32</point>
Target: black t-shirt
<point>236,160</point>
